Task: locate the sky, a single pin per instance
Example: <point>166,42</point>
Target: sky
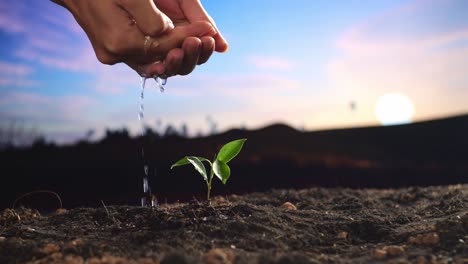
<point>313,65</point>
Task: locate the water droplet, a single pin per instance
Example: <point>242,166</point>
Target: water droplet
<point>145,185</point>
<point>141,114</point>
<point>160,82</point>
<point>148,199</point>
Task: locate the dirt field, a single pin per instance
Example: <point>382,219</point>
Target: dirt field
<point>414,225</point>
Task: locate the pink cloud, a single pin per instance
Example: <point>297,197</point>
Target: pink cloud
<point>54,112</point>
<point>270,63</point>
<point>14,74</point>
<point>10,16</point>
<point>83,61</point>
<point>7,68</point>
<point>8,81</point>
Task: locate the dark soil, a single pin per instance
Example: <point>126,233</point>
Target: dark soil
<point>412,225</point>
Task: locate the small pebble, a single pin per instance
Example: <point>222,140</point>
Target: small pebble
<point>288,206</point>
<point>424,239</point>
<point>421,260</point>
<point>343,235</point>
<point>380,254</point>
<point>61,211</point>
<point>2,239</point>
<point>394,250</point>
<point>219,256</point>
<point>74,243</point>
<point>388,251</point>
<point>50,248</point>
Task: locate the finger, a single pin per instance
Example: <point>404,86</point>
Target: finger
<point>149,19</point>
<point>175,38</point>
<point>195,12</point>
<point>148,70</point>
<point>192,50</point>
<point>135,48</point>
<point>173,62</point>
<point>207,48</point>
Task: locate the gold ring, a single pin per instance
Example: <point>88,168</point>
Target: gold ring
<point>147,44</point>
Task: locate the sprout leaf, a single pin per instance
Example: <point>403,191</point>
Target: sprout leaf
<point>230,150</point>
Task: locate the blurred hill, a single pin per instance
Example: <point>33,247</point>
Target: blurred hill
<point>419,154</point>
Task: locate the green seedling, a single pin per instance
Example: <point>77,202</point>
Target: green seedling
<point>218,167</point>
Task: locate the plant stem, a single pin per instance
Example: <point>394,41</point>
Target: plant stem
<point>209,183</point>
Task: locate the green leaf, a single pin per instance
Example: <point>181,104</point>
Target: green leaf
<point>230,150</point>
<point>196,162</point>
<point>204,159</point>
<point>183,161</point>
<point>221,170</point>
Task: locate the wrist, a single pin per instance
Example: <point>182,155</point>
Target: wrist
<point>64,3</point>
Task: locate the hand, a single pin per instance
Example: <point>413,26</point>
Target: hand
<point>117,30</point>
<point>195,50</point>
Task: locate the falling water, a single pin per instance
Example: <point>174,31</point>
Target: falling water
<point>148,199</point>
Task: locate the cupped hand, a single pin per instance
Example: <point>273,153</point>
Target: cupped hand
<point>195,50</point>
<point>137,33</point>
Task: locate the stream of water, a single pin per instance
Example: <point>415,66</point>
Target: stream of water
<point>148,199</point>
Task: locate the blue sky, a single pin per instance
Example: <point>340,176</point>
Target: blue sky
<point>300,62</point>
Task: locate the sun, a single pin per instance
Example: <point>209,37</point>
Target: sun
<point>394,109</point>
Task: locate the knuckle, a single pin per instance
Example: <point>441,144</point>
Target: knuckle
<point>115,44</point>
<point>206,28</point>
<point>155,31</point>
<point>106,58</point>
<point>158,26</point>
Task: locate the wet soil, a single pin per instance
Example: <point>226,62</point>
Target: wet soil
<point>410,225</point>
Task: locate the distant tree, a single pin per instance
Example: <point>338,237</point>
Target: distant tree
<point>87,138</point>
<point>116,136</point>
<point>150,134</point>
<point>89,134</point>
<point>199,134</point>
<point>184,130</point>
<point>170,131</point>
<point>41,142</point>
<point>18,135</point>
<point>158,127</point>
<point>212,125</point>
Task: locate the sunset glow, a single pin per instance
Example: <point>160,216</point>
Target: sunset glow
<point>394,109</point>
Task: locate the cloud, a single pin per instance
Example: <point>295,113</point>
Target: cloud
<point>52,38</point>
<point>14,74</point>
<point>9,81</point>
<point>253,100</point>
<point>54,111</point>
<point>410,50</point>
<point>10,16</point>
<point>270,63</point>
<point>115,79</point>
<point>7,68</point>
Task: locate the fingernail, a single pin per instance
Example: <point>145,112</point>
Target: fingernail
<point>170,25</point>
